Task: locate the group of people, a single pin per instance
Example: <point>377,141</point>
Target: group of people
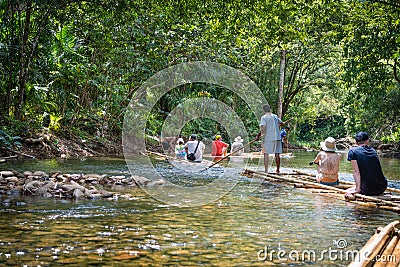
<point>193,150</point>
<point>367,171</point>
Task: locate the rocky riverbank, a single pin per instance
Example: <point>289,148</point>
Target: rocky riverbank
<point>67,186</point>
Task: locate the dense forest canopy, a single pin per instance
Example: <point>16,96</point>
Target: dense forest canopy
<point>72,66</point>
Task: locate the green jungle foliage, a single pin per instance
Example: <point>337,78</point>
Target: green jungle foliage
<point>73,66</point>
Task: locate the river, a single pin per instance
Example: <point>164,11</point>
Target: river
<point>269,225</point>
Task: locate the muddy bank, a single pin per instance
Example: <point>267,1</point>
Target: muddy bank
<point>68,186</point>
<point>44,146</point>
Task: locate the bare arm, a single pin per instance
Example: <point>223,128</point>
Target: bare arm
<point>357,179</point>
<point>262,132</point>
<point>357,175</point>
<point>286,122</point>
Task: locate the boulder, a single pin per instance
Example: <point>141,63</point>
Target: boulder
<point>6,173</point>
<point>78,194</point>
<point>11,179</point>
<point>158,182</point>
<point>141,181</point>
<point>40,174</point>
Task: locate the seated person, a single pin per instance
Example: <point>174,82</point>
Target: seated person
<point>237,146</point>
<point>180,149</point>
<point>367,169</point>
<point>218,148</point>
<point>328,163</point>
<point>196,147</point>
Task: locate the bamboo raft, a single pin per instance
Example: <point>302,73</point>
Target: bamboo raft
<point>255,155</point>
<point>185,164</point>
<point>382,249</point>
<point>389,201</point>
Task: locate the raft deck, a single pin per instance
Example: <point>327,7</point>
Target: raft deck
<point>390,200</point>
<point>382,249</point>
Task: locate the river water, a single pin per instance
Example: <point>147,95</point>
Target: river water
<point>269,225</point>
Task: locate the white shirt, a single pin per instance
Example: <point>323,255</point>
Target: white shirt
<point>191,146</point>
<point>271,123</point>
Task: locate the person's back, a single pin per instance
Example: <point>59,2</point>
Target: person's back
<point>373,181</point>
<point>180,149</point>
<point>238,147</point>
<point>329,166</point>
<point>191,145</point>
<point>328,161</point>
<point>218,147</point>
<point>271,122</point>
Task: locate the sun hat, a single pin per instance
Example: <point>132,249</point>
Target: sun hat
<point>328,144</point>
<point>217,137</point>
<point>238,139</point>
<point>180,140</point>
<point>362,136</point>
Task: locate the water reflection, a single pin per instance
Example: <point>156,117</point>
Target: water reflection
<point>144,232</point>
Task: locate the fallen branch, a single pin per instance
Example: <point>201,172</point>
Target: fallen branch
<point>22,154</point>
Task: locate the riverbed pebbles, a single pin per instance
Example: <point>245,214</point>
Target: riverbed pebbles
<point>69,186</point>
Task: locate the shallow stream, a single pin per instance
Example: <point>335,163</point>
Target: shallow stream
<point>269,225</point>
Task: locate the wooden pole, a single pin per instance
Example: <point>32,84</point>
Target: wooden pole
<point>387,255</point>
<point>396,253</point>
<point>389,189</point>
<point>233,152</point>
<point>373,246</point>
<point>318,185</point>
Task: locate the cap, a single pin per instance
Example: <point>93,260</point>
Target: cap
<point>193,136</point>
<point>362,136</point>
<point>217,137</point>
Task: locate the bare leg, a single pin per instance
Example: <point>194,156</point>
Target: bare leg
<point>266,163</point>
<point>278,162</point>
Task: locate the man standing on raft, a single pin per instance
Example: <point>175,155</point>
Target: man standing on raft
<point>270,127</point>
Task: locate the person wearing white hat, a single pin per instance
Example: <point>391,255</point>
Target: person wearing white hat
<point>237,146</point>
<point>328,161</point>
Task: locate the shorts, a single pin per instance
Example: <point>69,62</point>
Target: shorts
<point>330,184</point>
<point>273,147</point>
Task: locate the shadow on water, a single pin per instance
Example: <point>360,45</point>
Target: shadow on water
<point>246,227</point>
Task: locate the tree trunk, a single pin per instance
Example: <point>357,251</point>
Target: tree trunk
<point>24,62</point>
<point>281,82</point>
<point>12,44</point>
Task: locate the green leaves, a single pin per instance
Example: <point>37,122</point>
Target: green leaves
<point>91,56</point>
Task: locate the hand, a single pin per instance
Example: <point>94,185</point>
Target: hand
<point>351,191</point>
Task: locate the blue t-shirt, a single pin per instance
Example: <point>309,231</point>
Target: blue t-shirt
<point>373,182</point>
<point>283,133</point>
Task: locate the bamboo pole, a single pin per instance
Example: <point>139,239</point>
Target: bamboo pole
<point>387,255</point>
<point>389,189</point>
<point>396,253</point>
<point>374,245</point>
<point>233,152</point>
<point>318,185</point>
